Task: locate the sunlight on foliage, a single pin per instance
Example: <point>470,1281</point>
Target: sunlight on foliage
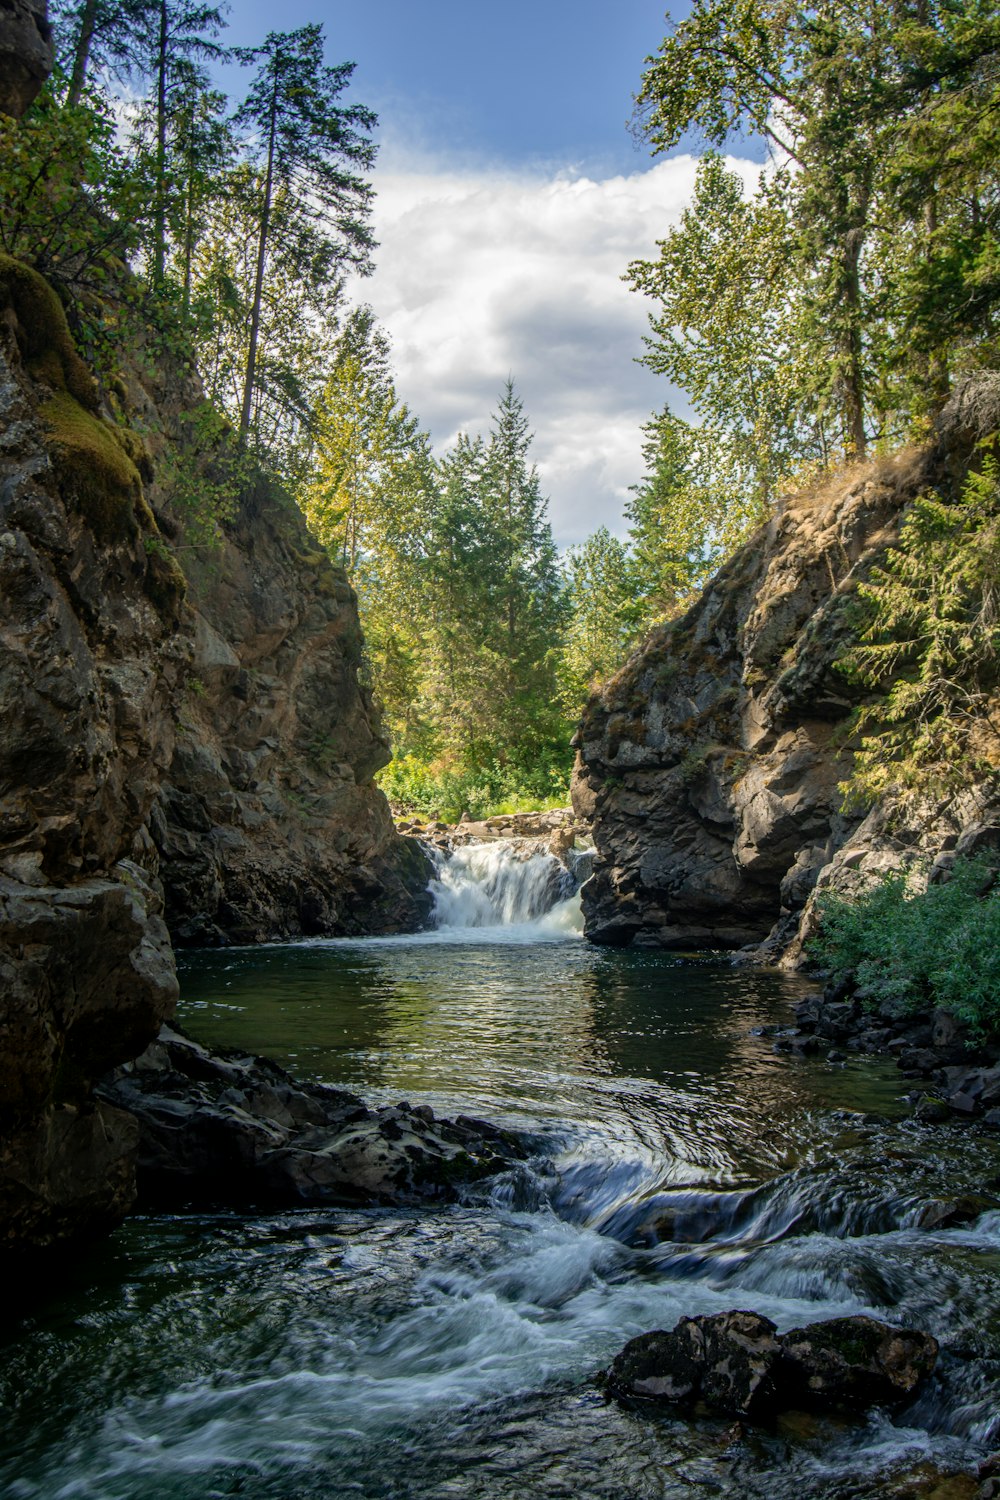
<point>940,946</point>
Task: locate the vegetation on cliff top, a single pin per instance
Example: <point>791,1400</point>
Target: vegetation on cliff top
<point>813,317</point>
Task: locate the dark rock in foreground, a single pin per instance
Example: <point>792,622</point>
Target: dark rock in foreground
<point>738,1363</point>
<point>238,1130</point>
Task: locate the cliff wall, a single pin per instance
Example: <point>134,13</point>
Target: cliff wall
<point>185,748</point>
<point>710,764</point>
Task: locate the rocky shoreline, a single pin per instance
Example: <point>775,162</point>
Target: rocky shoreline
<point>229,1129</point>
<point>952,1073</point>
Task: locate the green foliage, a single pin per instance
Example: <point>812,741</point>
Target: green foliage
<point>928,641</point>
<point>938,947</point>
<point>605,615</point>
<point>68,204</point>
<point>203,475</point>
<point>727,333</point>
<point>891,212</point>
<point>829,309</point>
<point>310,147</point>
<point>439,789</point>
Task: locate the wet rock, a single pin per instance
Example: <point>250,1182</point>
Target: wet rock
<point>727,1361</point>
<point>940,1213</point>
<point>660,1366</point>
<point>855,1363</point>
<point>931,1109</point>
<point>231,1129</point>
<point>737,1363</point>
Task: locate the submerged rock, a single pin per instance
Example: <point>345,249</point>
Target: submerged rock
<point>234,1129</point>
<point>738,1363</point>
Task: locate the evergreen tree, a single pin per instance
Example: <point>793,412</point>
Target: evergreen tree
<point>178,35</point>
<point>310,147</point>
<point>98,36</point>
<point>884,117</point>
<point>605,614</point>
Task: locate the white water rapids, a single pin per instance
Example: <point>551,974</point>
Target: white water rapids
<point>676,1165</point>
<point>518,896</point>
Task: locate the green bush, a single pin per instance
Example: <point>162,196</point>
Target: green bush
<point>441,790</point>
<point>937,947</point>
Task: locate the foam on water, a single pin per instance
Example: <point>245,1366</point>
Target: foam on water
<point>496,886</point>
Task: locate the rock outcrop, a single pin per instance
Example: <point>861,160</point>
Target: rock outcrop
<point>232,1129</point>
<point>26,55</point>
<point>186,749</point>
<point>738,1364</point>
<point>710,765</point>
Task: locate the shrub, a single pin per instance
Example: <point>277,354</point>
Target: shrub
<point>940,946</point>
<point>443,789</point>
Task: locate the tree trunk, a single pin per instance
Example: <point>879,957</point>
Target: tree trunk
<point>852,368</point>
<point>81,57</point>
<point>160,230</point>
<point>258,289</point>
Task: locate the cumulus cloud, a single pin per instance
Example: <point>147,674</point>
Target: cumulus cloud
<point>485,273</point>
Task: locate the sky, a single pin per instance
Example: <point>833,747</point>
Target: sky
<point>510,198</point>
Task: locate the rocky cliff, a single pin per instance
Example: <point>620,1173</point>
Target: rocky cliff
<point>710,764</point>
<point>185,747</point>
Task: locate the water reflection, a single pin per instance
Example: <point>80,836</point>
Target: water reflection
<point>414,1356</point>
<point>644,1069</point>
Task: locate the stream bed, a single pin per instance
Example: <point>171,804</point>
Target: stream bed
<point>680,1166</point>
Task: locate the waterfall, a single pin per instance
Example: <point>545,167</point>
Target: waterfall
<point>501,885</point>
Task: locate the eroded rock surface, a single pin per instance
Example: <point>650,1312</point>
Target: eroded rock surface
<point>26,55</point>
<point>238,1130</point>
<point>183,751</point>
<point>737,1363</point>
<point>710,765</point>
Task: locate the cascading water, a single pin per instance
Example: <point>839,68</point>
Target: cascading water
<point>682,1167</point>
<point>525,893</point>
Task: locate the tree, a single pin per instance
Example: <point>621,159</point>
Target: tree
<point>178,35</point>
<point>369,450</point>
<point>728,332</point>
<point>308,146</point>
<point>97,35</point>
<point>885,116</point>
<point>605,615</point>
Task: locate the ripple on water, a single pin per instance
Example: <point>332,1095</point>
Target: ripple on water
<point>448,1353</point>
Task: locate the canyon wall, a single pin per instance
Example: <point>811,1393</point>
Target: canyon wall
<point>710,764</point>
<point>186,750</point>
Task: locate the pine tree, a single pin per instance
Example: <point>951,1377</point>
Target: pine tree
<point>310,146</point>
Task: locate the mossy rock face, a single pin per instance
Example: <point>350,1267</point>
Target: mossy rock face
<point>165,582</point>
<point>43,335</point>
<point>94,469</point>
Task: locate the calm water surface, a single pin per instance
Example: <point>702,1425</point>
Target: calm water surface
<point>681,1167</point>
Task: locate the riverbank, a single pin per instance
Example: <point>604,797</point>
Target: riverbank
<point>948,1071</point>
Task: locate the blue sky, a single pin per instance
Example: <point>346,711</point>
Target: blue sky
<point>519,83</point>
<point>510,200</point>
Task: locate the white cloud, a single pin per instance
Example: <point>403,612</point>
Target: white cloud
<point>485,273</point>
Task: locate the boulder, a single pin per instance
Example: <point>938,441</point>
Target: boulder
<point>738,1364</point>
<point>728,1361</point>
<point>26,54</point>
<point>232,1129</point>
<point>854,1363</point>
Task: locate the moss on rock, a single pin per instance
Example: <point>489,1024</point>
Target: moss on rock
<point>42,333</point>
<point>93,467</point>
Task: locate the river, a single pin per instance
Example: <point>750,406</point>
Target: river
<point>679,1166</point>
